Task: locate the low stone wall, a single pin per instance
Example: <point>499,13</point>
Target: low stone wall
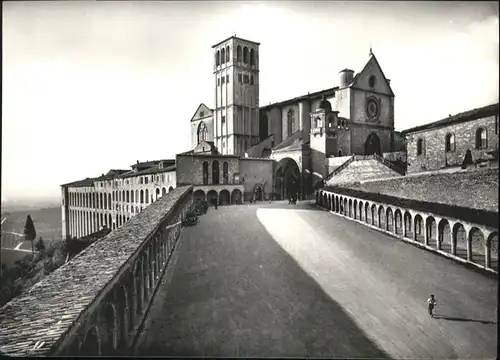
<point>95,304</point>
<point>465,236</point>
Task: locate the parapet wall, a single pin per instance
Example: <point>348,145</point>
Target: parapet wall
<point>95,304</point>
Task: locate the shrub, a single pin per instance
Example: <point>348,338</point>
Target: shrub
<point>40,246</point>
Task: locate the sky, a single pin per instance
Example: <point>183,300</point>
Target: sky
<point>90,86</point>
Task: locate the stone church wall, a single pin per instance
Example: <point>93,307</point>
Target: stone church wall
<point>435,157</point>
<point>189,168</point>
<point>256,172</point>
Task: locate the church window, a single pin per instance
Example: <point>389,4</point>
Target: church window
<point>245,55</point>
<point>251,79</point>
<point>217,58</point>
<point>291,121</point>
<point>372,81</point>
<point>222,56</point>
<point>252,57</point>
<point>239,78</point>
<point>142,196</point>
<point>202,132</point>
<point>215,172</point>
<point>225,172</point>
<point>420,147</point>
<point>227,78</point>
<point>227,54</point>
<point>481,138</point>
<point>450,142</point>
<point>205,173</point>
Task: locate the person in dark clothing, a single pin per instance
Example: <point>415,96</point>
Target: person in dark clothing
<point>215,203</point>
<point>467,159</point>
<point>431,302</point>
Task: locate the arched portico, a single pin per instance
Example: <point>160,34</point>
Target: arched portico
<point>372,145</point>
<point>287,178</point>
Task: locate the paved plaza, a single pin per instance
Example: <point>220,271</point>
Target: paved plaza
<point>293,280</point>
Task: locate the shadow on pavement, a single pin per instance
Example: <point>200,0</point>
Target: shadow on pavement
<point>445,317</point>
<point>236,293</point>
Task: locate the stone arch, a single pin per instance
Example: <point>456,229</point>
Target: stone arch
<point>367,210</point>
<point>222,56</point>
<point>170,188</point>
<point>252,57</point>
<point>389,226</point>
<point>111,336</point>
<point>146,196</point>
<point>142,196</point>
<point>417,228</point>
<point>224,197</point>
<point>198,195</point>
<point>132,196</point>
<point>287,179</point>
<point>245,55</point>
<point>431,232</point>
<point>110,221</point>
<point>91,345</point>
<point>329,204</point>
<point>238,53</point>
<point>225,172</point>
<point>408,225</point>
<point>228,54</point>
<point>217,58</point>
<point>163,191</point>
<point>139,291</point>
<point>146,276</point>
<point>381,217</point>
<point>372,145</point>
<point>398,222</point>
<point>123,315</point>
<point>360,210</point>
<point>477,246</point>
<point>374,214</point>
<point>258,192</point>
<point>444,236</point>
<point>492,245</point>
<point>346,207</point>
<point>212,197</point>
<point>324,204</point>
<point>215,172</point>
<point>157,193</point>
<point>459,241</point>
<point>337,204</point>
<point>236,197</point>
<point>350,208</point>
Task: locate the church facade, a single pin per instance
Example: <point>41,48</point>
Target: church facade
<point>302,135</point>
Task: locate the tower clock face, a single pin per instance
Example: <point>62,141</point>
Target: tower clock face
<point>372,108</point>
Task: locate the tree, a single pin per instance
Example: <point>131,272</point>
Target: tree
<point>30,232</point>
<point>40,246</point>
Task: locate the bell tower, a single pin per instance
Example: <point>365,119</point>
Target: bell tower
<point>325,126</point>
<point>236,115</point>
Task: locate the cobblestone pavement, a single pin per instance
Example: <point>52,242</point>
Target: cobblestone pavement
<point>292,280</point>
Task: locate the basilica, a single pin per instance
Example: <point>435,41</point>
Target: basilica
<point>307,137</point>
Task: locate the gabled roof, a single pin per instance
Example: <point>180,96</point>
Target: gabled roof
<point>469,115</point>
<point>212,149</point>
<point>372,57</point>
<point>198,108</point>
<point>293,142</point>
<point>81,183</point>
<point>311,96</point>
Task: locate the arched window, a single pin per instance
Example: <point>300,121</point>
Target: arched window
<point>202,132</point>
<point>217,58</point>
<point>251,80</point>
<point>317,122</point>
<point>128,196</point>
<point>132,196</point>
<point>263,128</point>
<point>481,138</point>
<point>228,58</point>
<point>238,53</point>
<point>215,172</point>
<point>291,121</point>
<point>222,56</point>
<point>252,57</point>
<point>245,55</point>
<point>420,146</point>
<point>147,197</point>
<point>205,173</point>
<point>450,142</point>
<point>225,172</point>
<point>142,196</point>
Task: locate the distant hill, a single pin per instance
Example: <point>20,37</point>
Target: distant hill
<point>47,222</point>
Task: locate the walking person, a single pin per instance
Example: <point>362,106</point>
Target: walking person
<point>431,302</point>
<point>215,202</point>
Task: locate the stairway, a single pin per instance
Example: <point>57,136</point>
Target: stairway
<point>361,170</point>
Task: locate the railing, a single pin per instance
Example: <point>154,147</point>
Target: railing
<point>96,303</point>
<point>341,167</point>
<point>389,164</point>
